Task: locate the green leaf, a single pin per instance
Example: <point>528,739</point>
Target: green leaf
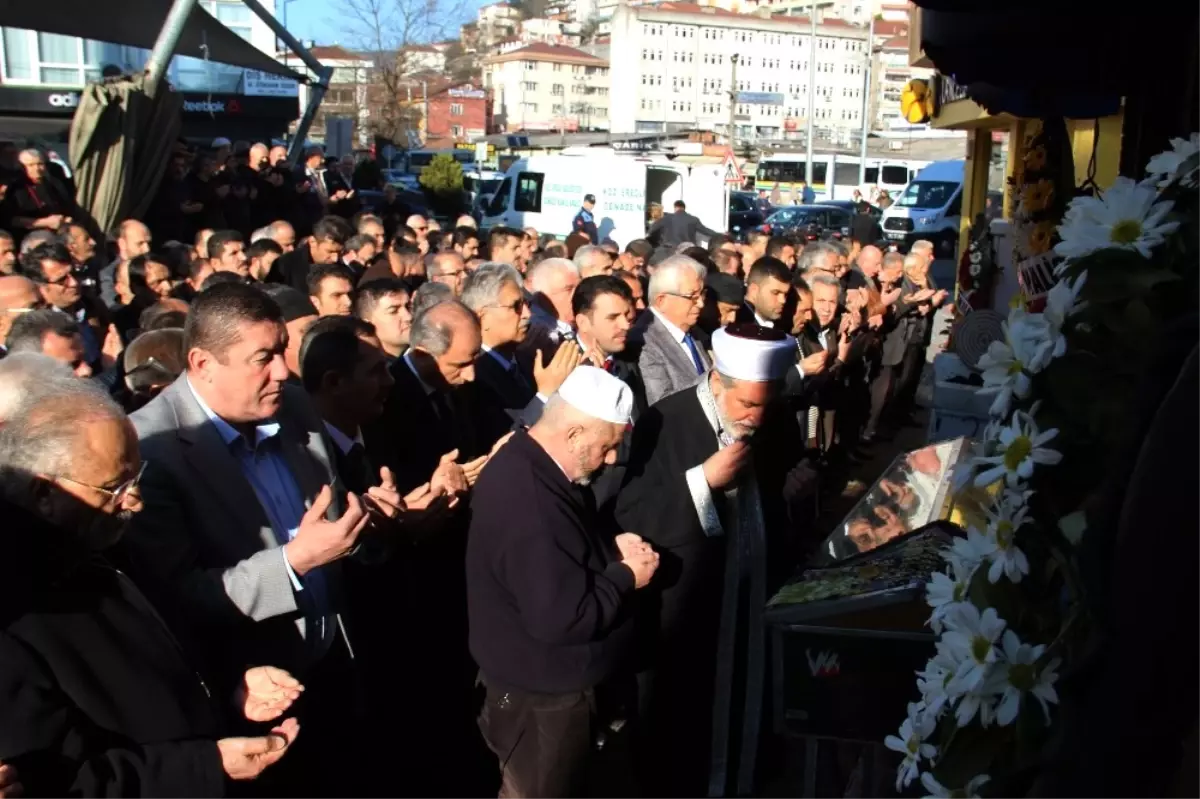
<point>1144,280</point>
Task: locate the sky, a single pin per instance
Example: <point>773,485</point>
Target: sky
<point>318,19</point>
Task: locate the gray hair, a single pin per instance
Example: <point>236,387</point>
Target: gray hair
<point>433,328</point>
<point>367,219</point>
<point>483,286</point>
<point>922,245</point>
<point>889,259</point>
<point>813,252</point>
<point>584,255</point>
<point>666,275</point>
<point>36,238</point>
<point>41,434</point>
<point>819,277</point>
<point>539,274</point>
<point>429,294</point>
<point>27,376</point>
<point>30,329</point>
<point>260,234</point>
<point>33,152</point>
<point>913,260</point>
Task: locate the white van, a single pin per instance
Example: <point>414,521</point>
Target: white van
<point>929,208</point>
<point>547,191</point>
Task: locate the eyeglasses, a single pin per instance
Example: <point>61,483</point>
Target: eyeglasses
<point>119,493</point>
<point>692,298</point>
<point>69,276</point>
<point>516,307</point>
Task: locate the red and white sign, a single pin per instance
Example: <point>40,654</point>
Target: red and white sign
<point>733,174</point>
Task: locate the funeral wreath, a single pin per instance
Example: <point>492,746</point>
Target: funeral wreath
<point>1009,611</point>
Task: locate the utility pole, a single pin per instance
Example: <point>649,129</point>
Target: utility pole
<point>812,94</point>
<point>866,107</point>
<point>733,93</point>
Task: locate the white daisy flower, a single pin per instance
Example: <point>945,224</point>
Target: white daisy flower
<point>1019,450</point>
<point>981,702</point>
<point>975,256</point>
<point>1005,517</point>
<point>1062,302</point>
<point>969,791</point>
<point>948,588</point>
<point>1177,164</point>
<point>911,743</point>
<point>970,637</point>
<point>1008,365</point>
<point>1019,675</point>
<point>966,554</point>
<point>933,681</point>
<point>1128,216</point>
<point>974,268</point>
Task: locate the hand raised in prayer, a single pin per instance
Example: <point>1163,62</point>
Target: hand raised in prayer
<point>843,351</point>
<point>246,758</point>
<point>112,348</point>
<point>890,297</point>
<point>448,478</point>
<point>643,566</point>
<point>319,541</point>
<point>631,545</point>
<point>10,783</point>
<point>548,377</point>
<point>722,467</point>
<point>266,692</point>
<point>814,364</point>
<point>384,499</point>
<point>472,469</point>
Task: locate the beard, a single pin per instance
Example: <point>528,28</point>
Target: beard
<point>103,530</point>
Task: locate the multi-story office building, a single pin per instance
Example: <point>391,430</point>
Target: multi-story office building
<point>672,69</point>
<point>42,73</point>
<point>542,87</point>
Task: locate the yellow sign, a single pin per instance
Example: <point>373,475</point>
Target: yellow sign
<point>916,101</point>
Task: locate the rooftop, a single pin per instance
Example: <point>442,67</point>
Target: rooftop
<point>541,51</point>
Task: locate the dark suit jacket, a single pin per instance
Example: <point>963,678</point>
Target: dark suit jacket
<point>202,546</point>
<point>292,269</point>
<point>746,315</point>
<point>679,227</point>
<point>507,401</point>
<point>98,698</point>
<point>410,438</point>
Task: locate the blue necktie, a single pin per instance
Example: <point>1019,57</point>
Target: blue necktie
<point>691,345</point>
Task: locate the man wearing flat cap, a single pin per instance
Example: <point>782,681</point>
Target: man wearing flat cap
<point>585,220</point>
<point>709,482</point>
<point>548,594</point>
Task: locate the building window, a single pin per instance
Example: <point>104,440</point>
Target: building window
<point>456,109</point>
<point>531,65</point>
<point>529,86</point>
<point>556,109</point>
<point>233,15</point>
<point>456,131</point>
<point>557,90</point>
<point>532,107</point>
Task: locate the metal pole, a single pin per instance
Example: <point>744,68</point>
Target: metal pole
<point>280,30</point>
<point>168,40</point>
<point>733,94</point>
<point>812,94</point>
<point>866,127</point>
<point>316,95</point>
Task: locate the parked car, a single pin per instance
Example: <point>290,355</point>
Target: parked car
<point>851,207</point>
<point>415,200</point>
<point>810,222</point>
<point>744,214</point>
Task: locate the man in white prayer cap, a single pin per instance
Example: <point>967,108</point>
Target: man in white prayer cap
<point>548,592</point>
<point>706,485</point>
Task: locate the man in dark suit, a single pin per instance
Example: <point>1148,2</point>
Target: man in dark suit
<point>104,701</point>
<point>826,334</point>
<point>680,227</point>
<point>324,247</point>
<point>603,306</point>
<point>669,358</point>
<point>246,521</point>
<point>766,293</point>
<point>508,398</point>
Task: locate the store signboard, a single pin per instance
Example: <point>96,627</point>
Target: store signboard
<point>263,84</point>
<point>760,98</point>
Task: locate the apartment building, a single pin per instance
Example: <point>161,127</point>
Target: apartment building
<point>494,23</point>
<point>892,73</point>
<point>542,87</point>
<point>673,70</point>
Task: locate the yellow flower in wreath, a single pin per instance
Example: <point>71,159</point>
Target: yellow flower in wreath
<point>1036,197</point>
<point>1040,238</point>
<point>1035,158</point>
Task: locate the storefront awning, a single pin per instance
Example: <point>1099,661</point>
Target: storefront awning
<point>136,23</point>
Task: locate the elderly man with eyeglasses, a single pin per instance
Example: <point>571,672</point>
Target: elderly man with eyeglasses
<point>51,267</point>
<point>70,471</point>
<point>671,358</point>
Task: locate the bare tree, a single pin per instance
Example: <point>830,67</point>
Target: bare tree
<point>384,30</point>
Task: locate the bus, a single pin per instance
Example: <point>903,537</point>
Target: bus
<point>414,161</point>
<point>835,176</point>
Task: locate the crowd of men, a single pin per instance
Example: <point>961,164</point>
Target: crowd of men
<point>346,504</point>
